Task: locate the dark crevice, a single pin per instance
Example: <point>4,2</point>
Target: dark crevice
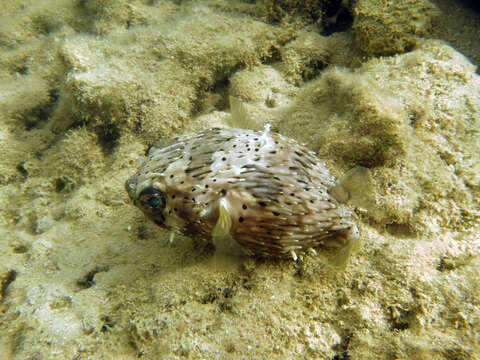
<point>107,138</point>
<point>446,264</point>
<point>208,298</point>
<point>221,88</point>
<point>23,172</point>
<point>401,230</point>
<point>400,326</point>
<point>60,184</point>
<point>337,17</point>
<point>88,280</point>
<point>21,69</point>
<point>342,348</point>
<point>44,26</point>
<point>20,249</point>
<point>41,114</point>
<point>472,5</point>
<point>273,56</point>
<point>400,318</point>
<point>108,324</point>
<point>313,70</point>
<point>5,283</point>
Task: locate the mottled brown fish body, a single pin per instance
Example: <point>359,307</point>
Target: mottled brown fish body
<point>274,190</point>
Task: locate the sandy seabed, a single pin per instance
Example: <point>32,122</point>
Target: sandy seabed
<point>86,86</point>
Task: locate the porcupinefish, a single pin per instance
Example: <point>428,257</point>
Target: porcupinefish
<point>264,192</point>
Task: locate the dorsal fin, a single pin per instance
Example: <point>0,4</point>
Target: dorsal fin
<point>239,117</point>
<point>355,187</point>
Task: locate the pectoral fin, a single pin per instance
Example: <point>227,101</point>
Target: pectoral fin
<point>353,244</point>
<point>224,221</point>
<point>221,238</point>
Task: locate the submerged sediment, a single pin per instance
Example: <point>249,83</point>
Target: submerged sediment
<point>87,87</point>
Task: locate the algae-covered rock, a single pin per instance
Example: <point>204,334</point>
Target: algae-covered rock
<point>345,114</point>
<point>392,27</point>
<point>263,85</point>
<point>382,116</point>
<point>76,159</point>
<point>123,92</point>
<point>328,16</point>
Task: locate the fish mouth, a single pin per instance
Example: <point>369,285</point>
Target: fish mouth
<point>131,187</point>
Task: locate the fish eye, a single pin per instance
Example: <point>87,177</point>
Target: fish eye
<point>152,200</point>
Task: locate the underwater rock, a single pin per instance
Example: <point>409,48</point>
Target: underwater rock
<point>387,28</point>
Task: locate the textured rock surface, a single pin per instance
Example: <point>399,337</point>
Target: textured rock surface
<point>391,27</point>
<point>86,86</point>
